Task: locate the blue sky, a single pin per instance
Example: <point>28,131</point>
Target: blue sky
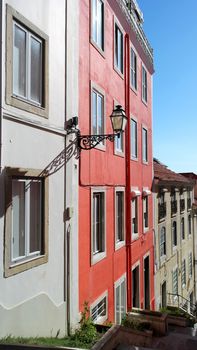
<point>171,27</point>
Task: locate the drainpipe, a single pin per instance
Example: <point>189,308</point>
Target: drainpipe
<point>128,170</point>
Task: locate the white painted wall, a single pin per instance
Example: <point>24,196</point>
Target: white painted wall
<point>33,302</point>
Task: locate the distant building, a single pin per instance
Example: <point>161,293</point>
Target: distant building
<point>174,237</point>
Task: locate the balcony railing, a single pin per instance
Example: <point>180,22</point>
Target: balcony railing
<point>182,205</point>
<point>189,203</point>
<point>182,303</point>
<point>173,207</point>
<point>161,211</point>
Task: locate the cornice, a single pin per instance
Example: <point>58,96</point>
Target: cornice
<point>137,28</point>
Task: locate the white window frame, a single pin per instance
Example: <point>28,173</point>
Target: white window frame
<point>118,61</point>
<point>95,41</point>
<point>175,286</point>
<point>182,229</point>
<point>137,264</point>
<point>135,235</point>
<point>134,122</point>
<point>100,319</point>
<point>144,85</point>
<point>145,211</point>
<point>144,145</point>
<point>97,256</point>
<point>28,255</point>
<point>190,264</point>
<point>118,284</point>
<point>183,273</point>
<point>119,141</point>
<point>174,246</point>
<point>162,242</point>
<point>29,35</point>
<point>99,92</point>
<point>119,243</point>
<point>133,69</point>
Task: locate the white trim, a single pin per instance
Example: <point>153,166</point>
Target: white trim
<point>135,193</point>
<point>119,244</point>
<point>146,192</point>
<point>117,23</point>
<point>117,284</point>
<point>101,319</point>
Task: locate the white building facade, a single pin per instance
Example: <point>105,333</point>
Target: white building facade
<point>38,245</point>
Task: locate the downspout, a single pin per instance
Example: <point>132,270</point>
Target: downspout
<point>1,107</point>
<point>128,170</point>
<point>66,276</point>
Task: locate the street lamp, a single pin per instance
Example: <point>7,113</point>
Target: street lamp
<point>87,142</point>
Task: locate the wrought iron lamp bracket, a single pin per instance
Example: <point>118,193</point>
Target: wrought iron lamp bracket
<point>87,142</point>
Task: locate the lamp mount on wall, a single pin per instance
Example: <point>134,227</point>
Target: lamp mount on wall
<point>87,142</point>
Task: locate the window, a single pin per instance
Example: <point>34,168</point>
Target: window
<point>27,50</point>
<point>120,300</point>
<point>98,310</point>
<point>175,281</point>
<point>133,69</point>
<point>190,265</point>
<point>162,241</point>
<point>119,217</point>
<point>183,273</point>
<point>174,234</point>
<point>144,84</point>
<point>119,143</point>
<point>189,225</point>
<point>97,113</point>
<point>182,228</point>
<point>145,212</point>
<point>118,46</point>
<point>26,221</point>
<point>134,216</point>
<point>144,145</point>
<point>98,226</point>
<point>133,138</point>
<point>98,23</point>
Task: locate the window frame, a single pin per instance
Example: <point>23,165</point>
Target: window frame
<point>134,122</point>
<point>190,265</point>
<point>144,85</point>
<point>162,244</point>
<point>145,205</point>
<point>21,265</point>
<point>135,235</point>
<point>189,226</point>
<point>101,49</point>
<point>133,70</point>
<point>119,151</point>
<point>12,98</point>
<point>174,246</point>
<point>175,288</point>
<point>101,319</point>
<point>144,146</point>
<point>182,229</point>
<point>183,273</point>
<point>119,70</point>
<point>119,243</point>
<point>97,256</point>
<point>118,284</point>
<point>96,89</point>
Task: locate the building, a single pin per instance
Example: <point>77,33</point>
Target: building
<point>174,237</point>
<point>38,85</point>
<point>116,255</point>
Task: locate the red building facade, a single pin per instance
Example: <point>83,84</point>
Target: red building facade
<point>115,179</point>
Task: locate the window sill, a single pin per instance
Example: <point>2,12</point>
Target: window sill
<point>97,257</point>
<point>119,245</point>
<point>135,236</point>
<point>146,229</point>
<point>119,153</point>
<point>145,162</point>
<point>119,72</point>
<point>98,48</point>
<point>134,89</point>
<point>27,106</point>
<point>135,159</point>
<point>162,259</point>
<point>145,102</point>
<point>25,265</point>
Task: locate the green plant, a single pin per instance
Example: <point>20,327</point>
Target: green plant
<point>135,324</point>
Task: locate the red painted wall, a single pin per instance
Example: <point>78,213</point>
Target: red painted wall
<point>104,168</point>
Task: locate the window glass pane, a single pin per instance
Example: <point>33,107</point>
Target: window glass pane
<point>18,218</point>
<point>94,112</point>
<point>118,304</point>
<point>98,223</point>
<point>94,19</point>
<point>100,115</point>
<point>36,70</point>
<point>134,138</point>
<point>119,216</point>
<point>123,300</point>
<point>35,216</point>
<point>100,24</point>
<point>19,61</point>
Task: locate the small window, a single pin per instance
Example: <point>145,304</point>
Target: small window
<point>182,228</point>
<point>120,300</point>
<point>144,145</point>
<point>27,75</point>
<point>119,205</point>
<point>98,310</point>
<point>119,143</point>
<point>183,273</point>
<point>134,216</point>
<point>190,265</point>
<point>144,85</point>
<point>175,281</point>
<point>145,212</point>
<point>174,234</point>
<point>97,113</point>
<point>118,47</point>
<point>162,241</point>
<point>98,226</point>
<point>98,23</point>
<point>189,225</point>
<point>133,70</point>
<point>133,139</point>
